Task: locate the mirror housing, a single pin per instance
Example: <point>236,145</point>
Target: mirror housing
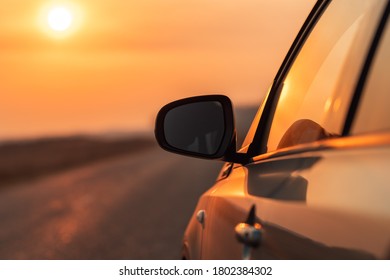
<point>201,126</point>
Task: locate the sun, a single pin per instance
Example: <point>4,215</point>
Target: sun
<point>60,18</point>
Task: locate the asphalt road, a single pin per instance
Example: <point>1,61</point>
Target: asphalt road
<point>132,207</point>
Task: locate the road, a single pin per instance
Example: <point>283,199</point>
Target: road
<point>132,207</point>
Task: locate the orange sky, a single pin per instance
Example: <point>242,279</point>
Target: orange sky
<point>123,60</point>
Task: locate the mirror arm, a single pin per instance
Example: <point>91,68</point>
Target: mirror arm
<point>231,154</point>
<point>237,158</point>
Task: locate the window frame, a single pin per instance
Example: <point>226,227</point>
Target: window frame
<point>258,145</point>
<point>364,75</point>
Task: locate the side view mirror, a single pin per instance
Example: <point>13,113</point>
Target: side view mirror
<point>200,126</point>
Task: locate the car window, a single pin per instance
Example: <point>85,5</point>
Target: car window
<point>316,92</point>
<point>373,115</point>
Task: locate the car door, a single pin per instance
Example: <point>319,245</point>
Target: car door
<point>311,181</point>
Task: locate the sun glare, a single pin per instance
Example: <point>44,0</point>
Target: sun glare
<point>59,18</point>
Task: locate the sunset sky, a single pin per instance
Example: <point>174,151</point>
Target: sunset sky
<point>120,61</point>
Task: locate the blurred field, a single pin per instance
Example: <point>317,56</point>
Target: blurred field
<point>22,160</point>
<point>29,159</point>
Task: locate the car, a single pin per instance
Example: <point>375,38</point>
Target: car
<point>312,178</point>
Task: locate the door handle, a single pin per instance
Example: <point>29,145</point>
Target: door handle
<point>249,233</point>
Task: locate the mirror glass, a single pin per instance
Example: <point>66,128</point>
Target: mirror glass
<point>195,127</point>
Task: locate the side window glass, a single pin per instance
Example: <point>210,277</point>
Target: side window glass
<point>317,90</point>
<point>373,114</point>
